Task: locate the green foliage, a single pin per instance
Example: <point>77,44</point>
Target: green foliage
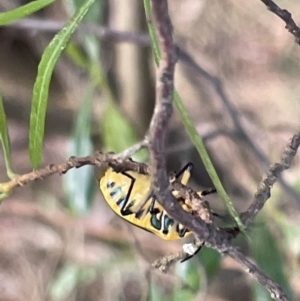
<point>156,292</point>
<point>117,133</point>
<point>184,294</point>
<point>68,278</point>
<point>4,137</point>
<point>114,124</point>
<point>268,257</point>
<point>211,260</point>
<point>79,186</point>
<point>41,85</point>
<point>193,275</point>
<point>190,274</point>
<point>23,11</point>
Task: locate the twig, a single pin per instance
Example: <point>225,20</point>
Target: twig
<point>264,188</point>
<point>250,268</point>
<point>158,128</point>
<point>130,151</point>
<point>97,159</point>
<point>286,16</point>
<point>163,107</point>
<point>164,263</point>
<point>88,28</point>
<point>51,169</point>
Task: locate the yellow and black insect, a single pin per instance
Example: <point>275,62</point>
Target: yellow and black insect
<point>124,192</point>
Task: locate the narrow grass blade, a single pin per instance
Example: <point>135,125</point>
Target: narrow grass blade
<point>197,141</point>
<point>4,137</point>
<point>41,85</point>
<point>23,11</point>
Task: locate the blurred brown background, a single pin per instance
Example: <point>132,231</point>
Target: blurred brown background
<point>245,124</point>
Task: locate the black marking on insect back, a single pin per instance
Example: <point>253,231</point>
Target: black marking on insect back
<point>110,184</point>
<point>125,209</point>
<point>139,214</point>
<point>168,222</point>
<point>121,200</point>
<point>151,208</point>
<point>115,191</point>
<point>156,222</point>
<point>181,230</point>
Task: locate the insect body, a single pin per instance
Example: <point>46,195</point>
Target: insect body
<point>125,191</point>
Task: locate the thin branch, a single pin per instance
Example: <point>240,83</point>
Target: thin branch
<point>164,263</point>
<point>130,151</point>
<point>51,169</point>
<point>96,159</point>
<point>102,32</point>
<point>264,188</point>
<point>250,268</point>
<point>163,107</point>
<point>157,133</point>
<point>286,16</point>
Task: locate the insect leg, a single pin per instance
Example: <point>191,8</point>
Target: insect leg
<point>206,191</point>
<point>185,172</point>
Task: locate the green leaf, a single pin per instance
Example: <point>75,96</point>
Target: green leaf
<point>69,278</point>
<point>41,85</point>
<point>183,294</point>
<point>23,11</point>
<point>79,184</point>
<point>152,32</point>
<point>156,292</point>
<point>95,15</point>
<point>211,260</point>
<point>65,282</point>
<point>117,132</point>
<point>3,195</point>
<point>190,273</point>
<point>268,257</point>
<point>4,137</point>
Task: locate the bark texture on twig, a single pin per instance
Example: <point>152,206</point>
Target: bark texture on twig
<point>274,289</point>
<point>163,107</point>
<point>264,188</point>
<point>286,16</point>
